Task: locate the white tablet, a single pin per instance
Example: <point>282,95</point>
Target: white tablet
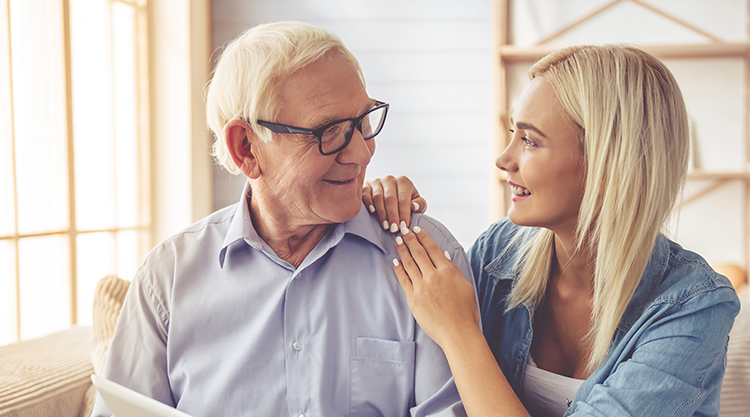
<point>124,402</point>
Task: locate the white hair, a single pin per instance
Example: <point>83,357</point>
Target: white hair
<point>244,81</point>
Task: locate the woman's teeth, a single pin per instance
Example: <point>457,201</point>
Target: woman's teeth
<point>519,190</point>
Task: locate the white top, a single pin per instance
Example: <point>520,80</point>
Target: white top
<point>547,394</point>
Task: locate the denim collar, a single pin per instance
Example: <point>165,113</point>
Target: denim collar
<point>503,268</point>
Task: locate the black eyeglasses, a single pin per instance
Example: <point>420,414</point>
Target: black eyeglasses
<point>334,137</point>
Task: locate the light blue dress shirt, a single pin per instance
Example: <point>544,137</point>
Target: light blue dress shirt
<point>668,355</point>
<point>216,324</point>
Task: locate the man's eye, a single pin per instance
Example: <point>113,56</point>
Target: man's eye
<point>332,132</point>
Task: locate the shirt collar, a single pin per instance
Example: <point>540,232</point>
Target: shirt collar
<point>363,225</point>
<point>241,228</point>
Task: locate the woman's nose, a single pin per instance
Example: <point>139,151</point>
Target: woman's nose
<point>506,160</point>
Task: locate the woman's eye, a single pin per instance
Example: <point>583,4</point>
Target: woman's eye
<point>525,140</point>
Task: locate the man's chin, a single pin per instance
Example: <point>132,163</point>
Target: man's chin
<point>344,213</point>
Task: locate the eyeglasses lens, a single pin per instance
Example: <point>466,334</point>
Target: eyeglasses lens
<point>336,136</point>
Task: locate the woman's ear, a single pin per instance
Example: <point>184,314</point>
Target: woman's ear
<point>241,141</point>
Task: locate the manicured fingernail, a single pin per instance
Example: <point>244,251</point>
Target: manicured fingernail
<point>394,228</point>
<point>399,241</point>
<point>447,255</point>
<point>395,262</point>
<point>402,225</point>
<point>385,224</point>
<point>417,229</point>
<point>371,208</point>
<point>416,206</point>
<point>404,231</point>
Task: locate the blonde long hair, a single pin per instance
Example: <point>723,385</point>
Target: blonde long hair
<point>635,144</point>
<point>244,81</point>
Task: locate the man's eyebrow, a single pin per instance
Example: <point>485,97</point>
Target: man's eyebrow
<point>527,126</point>
<point>322,121</point>
<point>326,120</point>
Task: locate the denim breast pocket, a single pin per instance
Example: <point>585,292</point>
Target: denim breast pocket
<point>382,377</point>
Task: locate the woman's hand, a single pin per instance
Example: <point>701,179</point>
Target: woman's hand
<point>394,199</point>
<point>444,304</point>
<point>441,299</point>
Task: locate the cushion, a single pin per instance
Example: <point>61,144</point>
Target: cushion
<point>108,298</point>
<point>735,398</point>
<point>46,376</point>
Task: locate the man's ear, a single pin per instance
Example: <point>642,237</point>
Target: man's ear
<point>242,141</point>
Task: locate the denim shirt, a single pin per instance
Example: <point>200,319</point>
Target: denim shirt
<point>668,354</point>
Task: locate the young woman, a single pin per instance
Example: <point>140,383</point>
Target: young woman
<point>586,308</point>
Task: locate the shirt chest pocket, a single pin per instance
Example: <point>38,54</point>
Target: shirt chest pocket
<point>382,377</point>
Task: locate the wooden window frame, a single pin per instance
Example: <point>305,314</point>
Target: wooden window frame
<point>140,8</point>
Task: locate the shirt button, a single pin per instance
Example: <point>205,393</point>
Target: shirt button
<point>297,345</point>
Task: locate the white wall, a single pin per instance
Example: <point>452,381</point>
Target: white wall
<point>430,59</point>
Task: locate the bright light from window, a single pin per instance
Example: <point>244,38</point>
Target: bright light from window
<point>62,229</point>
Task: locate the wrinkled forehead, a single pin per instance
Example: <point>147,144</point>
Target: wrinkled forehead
<point>331,80</point>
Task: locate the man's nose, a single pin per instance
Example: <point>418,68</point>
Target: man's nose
<point>358,151</point>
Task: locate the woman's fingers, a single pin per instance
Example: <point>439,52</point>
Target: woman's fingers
<point>408,262</point>
<point>403,277</point>
<point>375,188</point>
<point>390,196</point>
<point>409,199</point>
<point>367,197</point>
<point>417,251</point>
<point>426,253</point>
<point>393,199</point>
<point>384,197</point>
<point>440,297</point>
<point>418,205</point>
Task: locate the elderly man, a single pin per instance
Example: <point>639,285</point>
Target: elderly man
<point>286,303</point>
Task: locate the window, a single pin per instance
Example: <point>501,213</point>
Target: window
<point>74,157</point>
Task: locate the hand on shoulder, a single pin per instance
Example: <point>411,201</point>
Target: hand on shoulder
<point>393,199</point>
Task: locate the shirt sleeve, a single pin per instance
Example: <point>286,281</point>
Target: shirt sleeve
<point>434,389</point>
<point>675,364</point>
<point>137,355</point>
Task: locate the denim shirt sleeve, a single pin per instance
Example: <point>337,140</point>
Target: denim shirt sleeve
<point>493,257</point>
<point>672,366</point>
<point>668,355</point>
<point>672,360</point>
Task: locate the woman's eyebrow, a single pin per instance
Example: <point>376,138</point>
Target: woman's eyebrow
<point>527,126</point>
